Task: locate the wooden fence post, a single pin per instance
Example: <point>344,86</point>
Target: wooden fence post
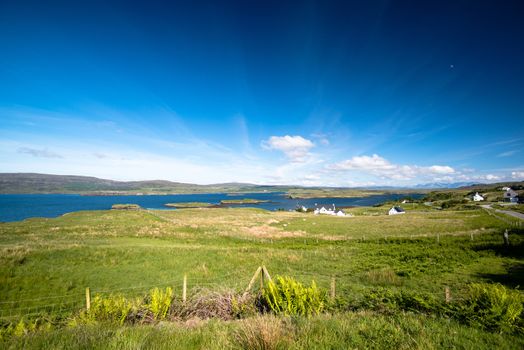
<point>438,238</point>
<point>184,288</point>
<point>471,235</point>
<point>266,273</point>
<point>333,288</point>
<point>506,238</point>
<point>88,298</point>
<point>253,279</point>
<point>447,294</point>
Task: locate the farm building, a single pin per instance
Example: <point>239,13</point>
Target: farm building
<point>477,197</point>
<point>396,210</point>
<point>325,211</point>
<point>511,196</point>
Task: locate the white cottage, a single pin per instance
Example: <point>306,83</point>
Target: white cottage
<point>477,197</point>
<point>511,196</point>
<point>325,211</point>
<point>396,210</point>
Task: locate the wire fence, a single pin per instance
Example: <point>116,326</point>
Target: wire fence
<point>236,280</point>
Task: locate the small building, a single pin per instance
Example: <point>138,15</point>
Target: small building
<point>334,212</point>
<point>511,196</point>
<point>396,210</point>
<point>302,209</point>
<point>477,197</point>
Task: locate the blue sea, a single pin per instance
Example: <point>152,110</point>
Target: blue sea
<point>16,207</point>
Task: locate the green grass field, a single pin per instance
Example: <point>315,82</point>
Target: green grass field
<point>46,264</point>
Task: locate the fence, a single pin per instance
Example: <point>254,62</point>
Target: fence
<point>68,304</point>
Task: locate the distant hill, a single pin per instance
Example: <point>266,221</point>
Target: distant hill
<point>43,183</point>
<point>11,183</point>
<point>438,185</point>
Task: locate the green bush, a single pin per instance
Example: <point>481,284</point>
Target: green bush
<point>160,301</point>
<point>453,203</point>
<point>493,307</point>
<point>289,297</point>
<point>243,306</point>
<point>114,308</point>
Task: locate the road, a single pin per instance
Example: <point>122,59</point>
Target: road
<point>507,212</point>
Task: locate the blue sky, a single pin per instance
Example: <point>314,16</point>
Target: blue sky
<point>337,93</point>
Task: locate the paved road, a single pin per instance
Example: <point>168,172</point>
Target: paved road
<point>507,212</point>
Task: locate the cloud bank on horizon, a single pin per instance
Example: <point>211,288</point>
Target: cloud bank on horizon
<point>335,93</point>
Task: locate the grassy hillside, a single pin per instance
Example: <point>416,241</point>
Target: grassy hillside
<point>46,264</point>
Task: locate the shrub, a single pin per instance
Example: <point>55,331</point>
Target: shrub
<point>159,302</point>
<point>493,307</point>
<point>225,305</point>
<point>114,308</point>
<point>453,203</point>
<point>289,297</point>
<point>243,306</point>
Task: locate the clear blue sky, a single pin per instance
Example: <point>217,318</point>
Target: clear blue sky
<point>341,93</point>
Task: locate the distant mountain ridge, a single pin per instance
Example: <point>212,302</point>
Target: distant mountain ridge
<point>12,183</point>
<point>45,183</point>
<point>439,185</point>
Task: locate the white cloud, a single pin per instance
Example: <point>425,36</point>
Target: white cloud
<point>381,167</point>
<point>517,175</point>
<point>296,148</point>
<point>491,177</point>
<point>374,162</point>
<point>441,169</point>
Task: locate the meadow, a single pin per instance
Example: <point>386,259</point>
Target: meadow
<point>46,265</point>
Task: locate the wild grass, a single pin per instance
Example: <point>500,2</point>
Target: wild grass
<point>350,330</point>
<point>46,264</point>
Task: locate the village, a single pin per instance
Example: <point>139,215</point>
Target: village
<point>509,197</point>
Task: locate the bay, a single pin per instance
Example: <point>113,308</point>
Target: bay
<point>16,207</point>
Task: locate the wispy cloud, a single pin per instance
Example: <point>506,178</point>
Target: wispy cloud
<point>41,153</point>
<point>321,138</point>
<point>100,155</point>
<point>507,153</point>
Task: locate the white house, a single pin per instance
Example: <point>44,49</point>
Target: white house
<point>511,196</point>
<point>325,211</point>
<point>396,210</point>
<point>333,212</point>
<point>477,197</point>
